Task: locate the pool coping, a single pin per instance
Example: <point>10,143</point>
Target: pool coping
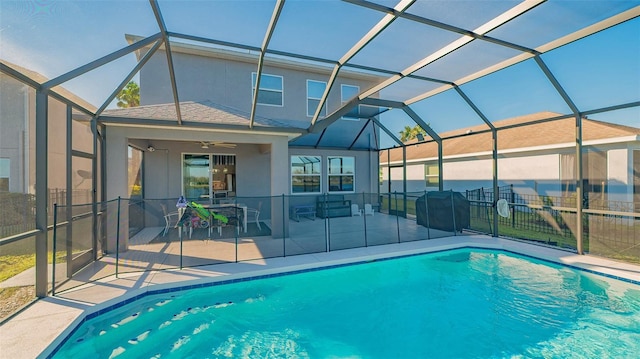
<point>48,338</point>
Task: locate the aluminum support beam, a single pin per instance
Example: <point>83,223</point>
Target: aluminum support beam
<point>69,188</point>
<point>295,56</point>
<point>36,86</point>
<point>386,130</point>
<point>320,138</point>
<point>19,76</point>
<point>367,38</point>
<point>602,25</point>
<point>131,74</point>
<point>359,134</point>
<point>440,25</point>
<point>99,62</point>
<point>335,116</point>
<point>579,177</point>
<point>154,123</point>
<point>167,47</point>
<point>404,181</point>
<point>417,119</point>
<point>579,188</point>
<point>42,125</point>
<point>94,188</point>
<point>494,155</point>
<point>501,19</point>
<point>265,44</point>
<point>556,85</point>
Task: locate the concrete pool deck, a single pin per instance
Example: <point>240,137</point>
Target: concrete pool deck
<point>37,330</point>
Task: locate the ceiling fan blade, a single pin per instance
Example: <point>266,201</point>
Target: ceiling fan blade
<point>223,144</point>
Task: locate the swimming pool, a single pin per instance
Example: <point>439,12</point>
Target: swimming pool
<point>465,303</point>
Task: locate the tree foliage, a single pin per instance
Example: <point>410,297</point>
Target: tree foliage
<point>129,96</point>
<point>409,133</point>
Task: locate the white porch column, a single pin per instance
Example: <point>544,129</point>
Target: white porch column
<point>279,186</point>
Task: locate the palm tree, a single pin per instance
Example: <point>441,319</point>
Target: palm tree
<point>409,133</point>
<point>129,96</point>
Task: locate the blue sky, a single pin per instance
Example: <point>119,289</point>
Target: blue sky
<point>53,37</point>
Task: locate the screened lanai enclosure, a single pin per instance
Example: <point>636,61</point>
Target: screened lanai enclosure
<point>296,127</point>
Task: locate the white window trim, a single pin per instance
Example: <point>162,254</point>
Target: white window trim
<point>291,174</point>
<point>342,102</point>
<point>314,98</point>
<point>253,89</point>
<point>341,174</point>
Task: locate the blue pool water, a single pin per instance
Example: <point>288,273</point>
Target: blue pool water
<point>466,303</point>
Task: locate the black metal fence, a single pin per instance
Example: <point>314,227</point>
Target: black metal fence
<point>18,210</point>
<point>553,220</point>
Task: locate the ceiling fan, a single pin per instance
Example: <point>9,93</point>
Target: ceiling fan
<point>207,144</point>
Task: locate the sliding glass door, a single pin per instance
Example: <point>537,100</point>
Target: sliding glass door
<point>195,176</point>
<point>205,174</point>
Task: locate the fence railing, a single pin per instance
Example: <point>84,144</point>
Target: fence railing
<point>133,235</point>
<point>17,210</point>
<point>610,228</point>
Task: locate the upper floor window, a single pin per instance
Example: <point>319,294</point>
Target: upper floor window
<point>341,173</point>
<point>347,92</point>
<point>315,90</point>
<point>271,89</point>
<point>305,174</point>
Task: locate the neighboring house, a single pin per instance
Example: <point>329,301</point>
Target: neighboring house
<point>537,159</point>
<point>17,139</point>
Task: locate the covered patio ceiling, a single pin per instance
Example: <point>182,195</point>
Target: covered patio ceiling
<point>441,64</point>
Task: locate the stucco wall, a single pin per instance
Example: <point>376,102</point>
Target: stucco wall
<point>229,83</point>
<point>163,168</point>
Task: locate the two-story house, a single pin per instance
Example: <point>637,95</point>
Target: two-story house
<point>220,149</point>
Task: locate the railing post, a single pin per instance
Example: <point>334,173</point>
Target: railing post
<point>235,232</point>
<point>364,218</point>
<point>284,237</point>
<point>180,228</point>
<point>513,208</point>
<point>118,237</point>
<point>395,197</point>
<point>55,232</point>
<point>327,224</point>
<point>453,213</point>
<point>426,205</point>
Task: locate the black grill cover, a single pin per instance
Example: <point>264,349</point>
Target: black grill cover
<point>440,210</point>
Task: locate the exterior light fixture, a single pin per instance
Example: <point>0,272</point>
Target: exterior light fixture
<point>151,148</point>
<point>420,137</point>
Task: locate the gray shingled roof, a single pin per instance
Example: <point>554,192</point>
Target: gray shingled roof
<point>201,111</point>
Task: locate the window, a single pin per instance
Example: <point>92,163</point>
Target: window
<point>315,90</point>
<point>341,174</point>
<point>204,174</point>
<point>5,165</point>
<point>347,93</point>
<point>135,172</point>
<point>431,172</point>
<point>271,89</point>
<point>305,174</point>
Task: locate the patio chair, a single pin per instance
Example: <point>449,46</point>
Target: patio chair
<point>233,217</point>
<point>355,210</point>
<point>368,209</point>
<point>170,219</point>
<point>255,213</point>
